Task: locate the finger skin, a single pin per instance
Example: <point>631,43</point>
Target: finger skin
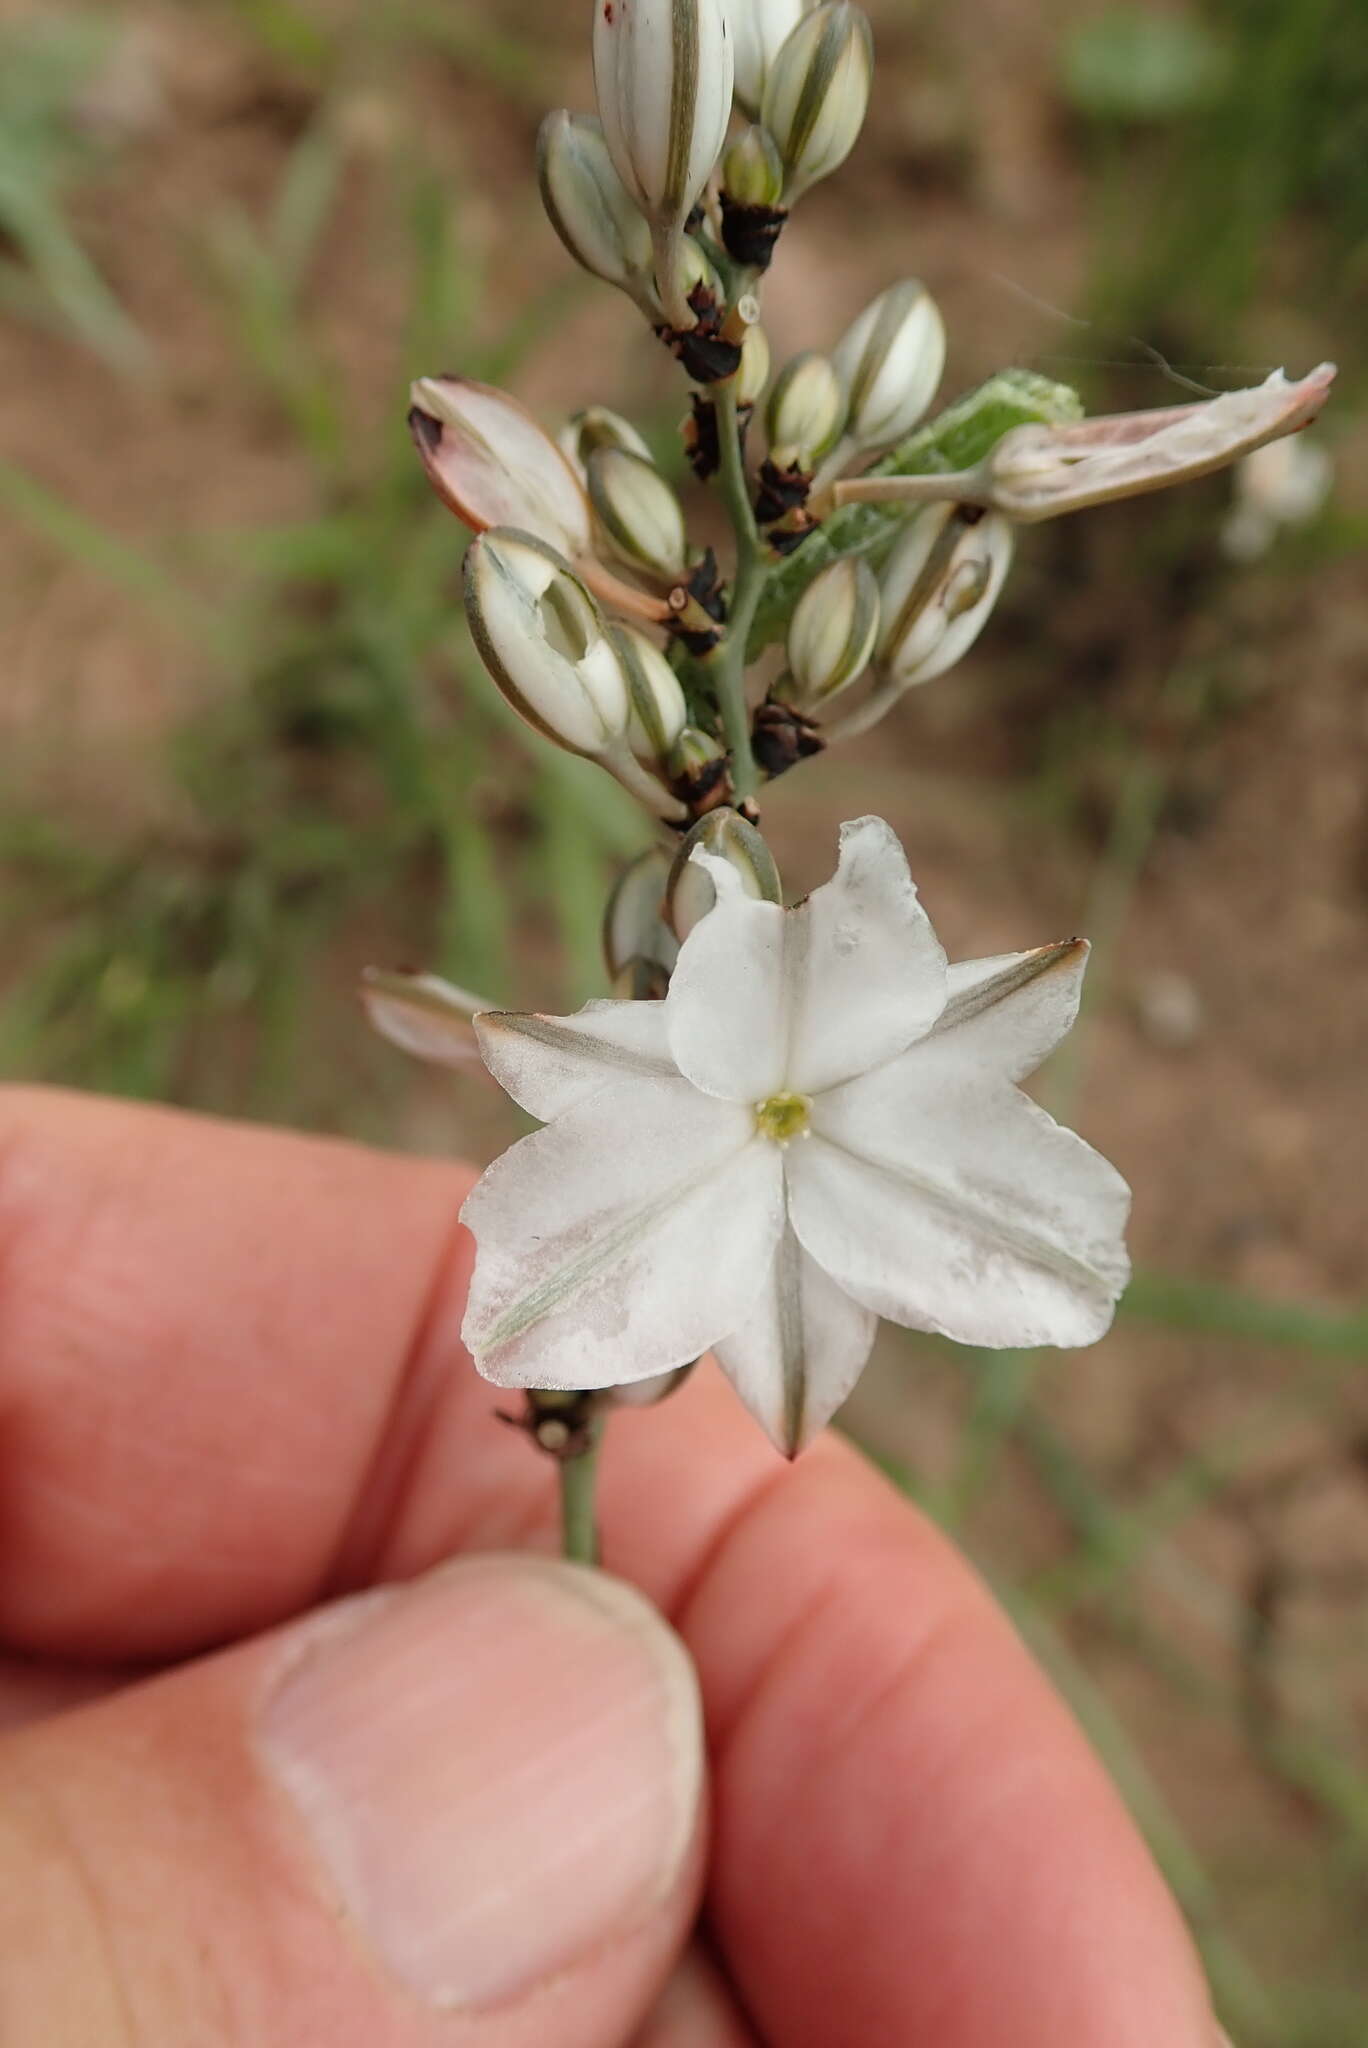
<point>162,1884</point>
<point>698,2010</point>
<point>913,1842</point>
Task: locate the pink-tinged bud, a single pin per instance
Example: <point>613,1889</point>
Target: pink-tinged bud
<point>487,459</point>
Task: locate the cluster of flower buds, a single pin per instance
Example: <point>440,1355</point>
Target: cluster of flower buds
<point>596,618</point>
<point>824,412</point>
<point>627,191</point>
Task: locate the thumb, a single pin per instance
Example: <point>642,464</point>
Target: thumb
<point>466,1808</point>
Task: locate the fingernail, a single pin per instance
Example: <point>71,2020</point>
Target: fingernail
<point>499,1767</point>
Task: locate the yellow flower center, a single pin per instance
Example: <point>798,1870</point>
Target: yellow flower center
<point>783,1117</point>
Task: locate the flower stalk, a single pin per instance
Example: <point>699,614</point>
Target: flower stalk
<point>727,664</point>
<point>578,1476</point>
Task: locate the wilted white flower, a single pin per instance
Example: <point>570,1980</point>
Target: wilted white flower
<point>1038,472</point>
<point>1284,483</point>
<point>818,1125</point>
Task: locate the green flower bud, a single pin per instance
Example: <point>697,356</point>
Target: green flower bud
<point>937,589</point>
<point>831,635</point>
<point>590,208</point>
<point>697,273</point>
<point>659,713</point>
<point>805,412</point>
<point>663,80</point>
<point>889,362</point>
<point>817,92</point>
<point>726,835</point>
<point>753,170</point>
<point>753,375</point>
<point>597,427</point>
<point>759,31</point>
<point>638,514</point>
<point>698,771</point>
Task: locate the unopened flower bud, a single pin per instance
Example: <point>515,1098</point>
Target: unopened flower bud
<point>698,771</point>
<point>659,713</point>
<point>598,427</point>
<point>545,643</point>
<point>663,80</point>
<point>889,362</point>
<point>635,934</point>
<point>699,344</point>
<point>589,206</point>
<point>493,465</point>
<point>752,188</point>
<point>753,375</point>
<point>937,589</point>
<point>805,412</point>
<point>638,514</point>
<point>543,640</point>
<point>690,893</point>
<point>753,170</point>
<point>759,30</point>
<point>817,92</point>
<point>831,635</point>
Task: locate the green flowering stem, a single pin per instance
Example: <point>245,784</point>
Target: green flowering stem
<point>578,1473</point>
<point>568,1426</point>
<point>727,662</point>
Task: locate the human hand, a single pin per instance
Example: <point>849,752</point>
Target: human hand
<point>467,1808</point>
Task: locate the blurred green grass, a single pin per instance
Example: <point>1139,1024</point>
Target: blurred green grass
<point>348,781</point>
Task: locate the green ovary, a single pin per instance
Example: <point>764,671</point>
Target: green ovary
<point>783,1117</point>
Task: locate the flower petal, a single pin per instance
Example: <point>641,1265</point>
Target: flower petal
<point>725,1008</point>
<point>548,1064</point>
<point>622,1240</point>
<point>803,999</point>
<point>966,1210</point>
<point>865,971</point>
<point>1004,1014</point>
<point>801,1349</point>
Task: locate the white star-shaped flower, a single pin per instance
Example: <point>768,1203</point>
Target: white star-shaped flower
<point>819,1125</point>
